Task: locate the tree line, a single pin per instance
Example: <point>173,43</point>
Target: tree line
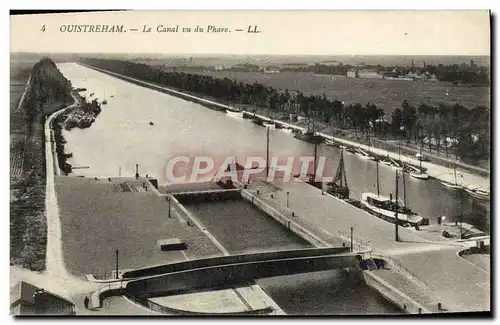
<point>470,127</point>
<point>47,91</point>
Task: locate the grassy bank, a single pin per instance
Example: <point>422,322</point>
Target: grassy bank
<point>47,92</point>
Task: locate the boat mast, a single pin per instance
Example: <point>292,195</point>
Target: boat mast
<point>378,187</point>
<point>315,158</point>
<point>399,149</point>
<point>267,152</point>
<point>420,158</point>
<point>397,208</point>
<point>455,170</point>
<point>404,187</point>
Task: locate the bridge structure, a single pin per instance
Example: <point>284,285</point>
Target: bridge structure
<point>220,272</point>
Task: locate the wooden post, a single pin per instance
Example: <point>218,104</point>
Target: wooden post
<point>116,252</point>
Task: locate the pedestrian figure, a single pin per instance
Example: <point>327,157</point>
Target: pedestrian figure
<point>86,302</point>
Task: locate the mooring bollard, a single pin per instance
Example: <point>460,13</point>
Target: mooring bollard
<point>272,196</point>
<point>419,310</point>
<point>293,214</point>
<point>439,306</point>
<point>258,192</point>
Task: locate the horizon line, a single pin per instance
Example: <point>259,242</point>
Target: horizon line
<point>247,55</point>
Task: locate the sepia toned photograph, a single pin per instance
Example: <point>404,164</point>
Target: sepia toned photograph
<point>250,163</point>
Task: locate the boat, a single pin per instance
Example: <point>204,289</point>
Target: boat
<point>287,130</point>
<point>364,155</point>
<point>270,125</point>
<point>329,142</point>
<point>236,114</point>
<point>386,207</point>
<point>419,175</point>
<point>312,175</point>
<point>389,209</point>
<point>478,194</point>
<point>386,161</point>
<point>338,187</point>
<point>451,185</point>
<point>415,172</point>
<point>395,164</point>
<point>309,136</point>
<point>351,150</point>
<point>455,185</point>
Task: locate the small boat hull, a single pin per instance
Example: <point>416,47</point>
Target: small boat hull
<point>329,142</point>
<point>419,175</point>
<point>478,194</point>
<point>235,114</point>
<point>451,185</point>
<point>269,125</point>
<point>365,156</point>
<point>390,216</point>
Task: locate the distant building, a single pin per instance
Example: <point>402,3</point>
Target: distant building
<point>272,69</point>
<point>353,73</point>
<point>29,300</point>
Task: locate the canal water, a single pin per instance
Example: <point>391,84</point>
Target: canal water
<point>241,228</point>
<point>122,137</point>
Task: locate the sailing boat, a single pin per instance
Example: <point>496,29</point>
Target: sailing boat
<point>418,173</point>
<point>310,134</point>
<point>312,176</point>
<point>455,185</point>
<point>338,187</point>
<point>388,208</point>
<point>270,124</point>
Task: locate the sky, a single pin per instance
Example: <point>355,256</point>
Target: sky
<point>281,32</point>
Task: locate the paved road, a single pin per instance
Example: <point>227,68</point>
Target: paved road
<point>54,259</point>
<point>460,284</point>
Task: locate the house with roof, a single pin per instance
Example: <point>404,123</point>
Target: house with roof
<point>29,300</point>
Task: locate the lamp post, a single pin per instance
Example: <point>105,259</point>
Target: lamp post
<point>287,199</point>
<point>169,210</point>
<point>352,247</point>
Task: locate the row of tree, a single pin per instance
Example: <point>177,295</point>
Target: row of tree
<point>47,90</point>
<point>469,126</point>
<point>465,74</point>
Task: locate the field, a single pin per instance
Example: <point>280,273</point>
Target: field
<point>97,218</point>
<point>19,74</point>
<point>386,94</point>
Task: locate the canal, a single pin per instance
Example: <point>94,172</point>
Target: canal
<point>122,137</point>
<point>241,228</point>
